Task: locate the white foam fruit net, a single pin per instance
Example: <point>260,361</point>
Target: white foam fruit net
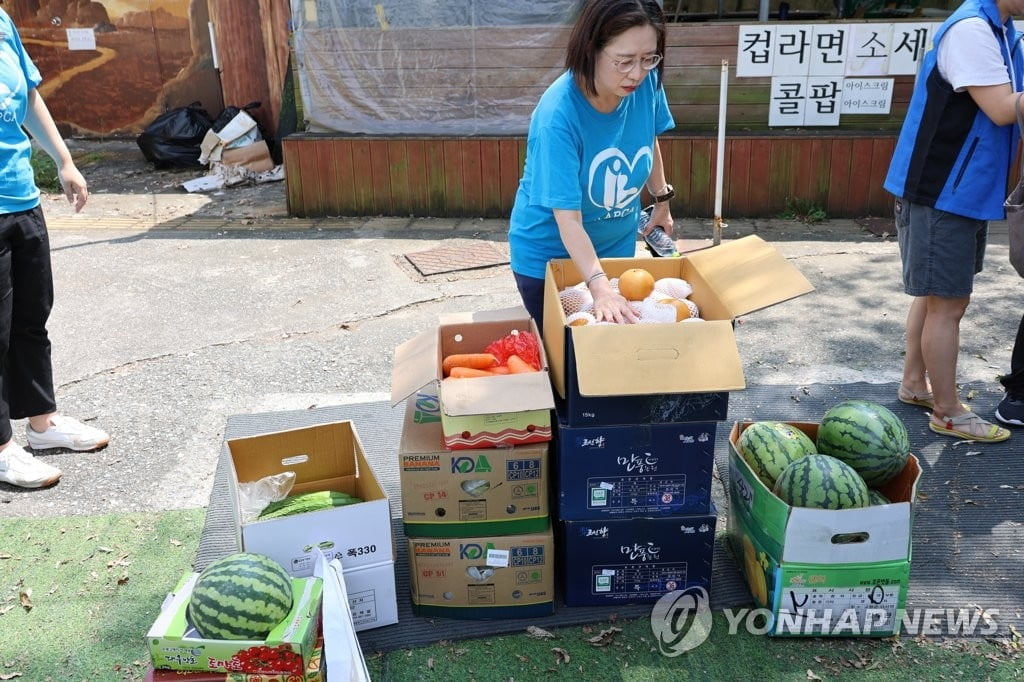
<point>578,303</point>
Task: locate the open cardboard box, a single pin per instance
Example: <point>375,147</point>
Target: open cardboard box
<point>174,643</point>
<point>482,412</point>
<point>323,457</point>
<point>823,571</point>
<point>635,373</point>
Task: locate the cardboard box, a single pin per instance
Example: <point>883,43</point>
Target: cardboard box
<point>642,470</point>
<point>509,576</point>
<point>823,571</point>
<point>174,643</point>
<point>372,596</point>
<point>483,412</point>
<point>636,560</point>
<point>464,493</point>
<point>650,373</point>
<point>314,673</point>
<point>323,457</point>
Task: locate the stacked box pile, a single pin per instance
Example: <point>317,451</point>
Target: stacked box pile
<point>473,463</point>
<point>637,413</point>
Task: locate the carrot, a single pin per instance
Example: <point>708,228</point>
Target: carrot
<point>468,373</point>
<point>516,365</point>
<point>472,360</point>
<point>500,369</point>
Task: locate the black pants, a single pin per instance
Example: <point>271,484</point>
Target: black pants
<point>26,297</point>
<point>1014,381</point>
<point>531,290</point>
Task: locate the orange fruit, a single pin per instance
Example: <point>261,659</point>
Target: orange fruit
<point>579,322</point>
<point>682,310</point>
<point>636,284</point>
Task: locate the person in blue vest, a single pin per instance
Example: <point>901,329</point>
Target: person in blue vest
<point>26,281</point>
<point>591,148</point>
<point>949,174</point>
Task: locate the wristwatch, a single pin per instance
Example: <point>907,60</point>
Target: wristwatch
<point>667,192</point>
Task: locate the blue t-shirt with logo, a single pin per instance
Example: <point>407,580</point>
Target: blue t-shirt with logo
<point>18,75</point>
<point>578,158</point>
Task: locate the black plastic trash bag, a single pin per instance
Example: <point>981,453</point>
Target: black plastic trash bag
<point>173,139</point>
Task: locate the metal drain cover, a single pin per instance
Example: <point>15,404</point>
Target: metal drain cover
<point>456,257</point>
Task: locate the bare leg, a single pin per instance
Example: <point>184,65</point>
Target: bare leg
<point>915,379</point>
<point>940,346</point>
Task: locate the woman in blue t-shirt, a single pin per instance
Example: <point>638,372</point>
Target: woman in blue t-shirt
<point>591,148</point>
<point>26,282</point>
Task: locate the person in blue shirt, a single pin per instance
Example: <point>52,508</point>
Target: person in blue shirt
<point>591,148</point>
<point>949,174</point>
<point>26,281</point>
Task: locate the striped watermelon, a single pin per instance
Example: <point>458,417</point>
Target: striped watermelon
<point>769,447</point>
<point>822,482</point>
<point>875,497</point>
<point>242,596</point>
<point>868,437</point>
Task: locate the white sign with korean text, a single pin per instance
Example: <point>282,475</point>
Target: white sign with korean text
<point>867,95</point>
<point>869,50</point>
<point>909,43</point>
<point>755,51</point>
<point>788,101</point>
<point>829,48</point>
<point>824,99</point>
<point>792,50</point>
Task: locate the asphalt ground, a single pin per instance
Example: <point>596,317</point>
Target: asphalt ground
<point>162,329</point>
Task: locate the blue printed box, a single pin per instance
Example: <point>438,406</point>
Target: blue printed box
<point>629,561</point>
<point>638,470</point>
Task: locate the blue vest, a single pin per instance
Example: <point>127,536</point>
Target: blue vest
<point>950,155</point>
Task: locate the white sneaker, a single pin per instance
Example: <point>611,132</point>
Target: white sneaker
<point>67,433</point>
<point>19,468</point>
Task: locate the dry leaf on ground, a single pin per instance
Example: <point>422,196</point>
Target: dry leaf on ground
<point>538,633</point>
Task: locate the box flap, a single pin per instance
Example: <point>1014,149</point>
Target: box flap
<point>416,365</point>
<point>498,394</point>
<point>315,454</point>
<point>646,359</point>
<point>749,274</point>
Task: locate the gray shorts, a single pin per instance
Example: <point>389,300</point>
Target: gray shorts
<point>941,251</point>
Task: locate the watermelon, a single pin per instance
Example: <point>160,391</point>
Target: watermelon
<point>875,497</point>
<point>868,437</point>
<point>769,447</point>
<point>242,596</point>
<point>822,482</point>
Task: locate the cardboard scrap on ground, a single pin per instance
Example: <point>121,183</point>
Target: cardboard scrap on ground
<point>235,155</point>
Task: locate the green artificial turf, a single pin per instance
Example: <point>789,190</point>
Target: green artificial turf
<point>78,594</point>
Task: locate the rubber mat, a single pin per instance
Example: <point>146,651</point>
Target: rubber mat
<point>968,524</point>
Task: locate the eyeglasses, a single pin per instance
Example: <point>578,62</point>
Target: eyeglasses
<point>627,65</point>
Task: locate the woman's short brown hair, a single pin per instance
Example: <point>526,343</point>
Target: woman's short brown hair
<point>599,22</point>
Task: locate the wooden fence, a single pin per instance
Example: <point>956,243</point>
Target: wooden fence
<point>840,169</point>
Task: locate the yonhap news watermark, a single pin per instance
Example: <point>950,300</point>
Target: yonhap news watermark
<point>682,620</point>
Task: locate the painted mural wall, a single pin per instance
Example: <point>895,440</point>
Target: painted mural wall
<point>122,63</point>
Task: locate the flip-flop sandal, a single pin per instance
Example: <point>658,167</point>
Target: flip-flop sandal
<point>923,400</point>
<point>967,425</point>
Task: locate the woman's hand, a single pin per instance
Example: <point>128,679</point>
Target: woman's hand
<point>662,217</point>
<point>610,306</point>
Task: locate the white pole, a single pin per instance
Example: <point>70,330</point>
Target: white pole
<point>720,160</point>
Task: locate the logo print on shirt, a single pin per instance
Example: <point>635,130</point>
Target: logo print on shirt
<point>612,181</point>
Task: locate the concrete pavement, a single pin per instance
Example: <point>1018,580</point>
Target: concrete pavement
<point>162,330</point>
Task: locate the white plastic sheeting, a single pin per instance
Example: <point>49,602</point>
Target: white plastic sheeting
<point>427,67</point>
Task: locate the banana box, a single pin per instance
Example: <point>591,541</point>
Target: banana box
<point>456,493</point>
